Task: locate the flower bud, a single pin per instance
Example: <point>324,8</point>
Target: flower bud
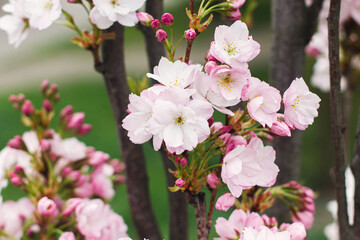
<point>297,231</point>
<point>18,168</point>
<point>67,235</point>
<point>234,15</point>
<point>47,105</point>
<point>16,143</point>
<point>190,34</point>
<point>71,205</point>
<point>226,201</point>
<point>236,3</point>
<point>183,162</point>
<point>66,171</point>
<point>45,145</point>
<point>76,120</point>
<point>74,1</point>
<point>27,108</point>
<point>98,157</point>
<point>54,87</point>
<point>144,18</point>
<point>180,182</point>
<point>66,111</point>
<point>155,24</point>
<point>161,35</point>
<point>46,207</point>
<point>84,129</point>
<point>44,85</point>
<point>15,179</point>
<point>13,98</point>
<point>167,19</point>
<point>209,66</point>
<point>212,180</point>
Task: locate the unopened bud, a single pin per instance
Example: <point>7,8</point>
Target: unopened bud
<point>184,162</point>
<point>47,105</point>
<point>226,201</point>
<point>161,35</point>
<point>15,179</point>
<point>190,34</point>
<point>66,111</point>
<point>28,108</point>
<point>84,129</point>
<point>212,180</point>
<point>180,182</point>
<point>45,145</point>
<point>18,168</point>
<point>44,85</point>
<point>76,120</point>
<point>16,143</point>
<point>46,207</point>
<point>167,19</point>
<point>155,24</point>
<point>144,18</point>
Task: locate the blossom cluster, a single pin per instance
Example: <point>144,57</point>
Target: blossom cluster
<point>60,174</point>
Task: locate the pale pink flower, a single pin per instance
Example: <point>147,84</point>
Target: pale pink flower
<point>85,190</point>
<point>236,3</point>
<point>238,221</point>
<point>228,82</point>
<point>264,233</point>
<point>226,201</point>
<point>42,13</point>
<point>247,166</point>
<point>297,230</point>
<point>233,45</point>
<point>67,236</point>
<point>71,205</point>
<point>144,18</point>
<point>264,101</point>
<point>300,105</point>
<point>98,157</point>
<point>106,12</point>
<point>116,228</point>
<point>14,23</point>
<point>101,182</point>
<point>350,9</point>
<point>137,123</point>
<point>180,122</point>
<point>46,207</point>
<point>174,74</point>
<point>233,142</point>
<point>69,148</point>
<point>305,217</point>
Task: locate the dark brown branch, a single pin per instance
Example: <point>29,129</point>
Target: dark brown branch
<point>355,167</point>
<point>198,201</point>
<point>188,50</point>
<point>287,63</point>
<point>337,125</point>
<point>312,14</point>
<point>137,179</point>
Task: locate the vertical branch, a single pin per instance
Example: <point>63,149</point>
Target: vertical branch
<point>355,167</point>
<point>287,63</point>
<point>137,179</point>
<point>337,126</point>
<point>190,41</point>
<point>198,201</point>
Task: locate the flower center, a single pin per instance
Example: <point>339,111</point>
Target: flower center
<point>114,3</point>
<point>226,82</point>
<point>179,119</point>
<point>230,48</point>
<point>48,5</point>
<point>177,82</point>
<point>296,103</point>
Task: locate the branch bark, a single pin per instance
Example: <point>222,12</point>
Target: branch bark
<point>355,167</point>
<point>198,201</point>
<point>312,14</point>
<point>337,125</point>
<point>137,179</point>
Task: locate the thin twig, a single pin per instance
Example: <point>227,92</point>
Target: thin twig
<point>355,167</point>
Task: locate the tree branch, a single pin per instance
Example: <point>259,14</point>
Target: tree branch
<point>355,167</point>
<point>337,126</point>
<point>312,14</point>
<point>137,179</point>
<point>198,201</point>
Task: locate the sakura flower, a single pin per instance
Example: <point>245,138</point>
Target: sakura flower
<point>238,221</point>
<point>174,74</point>
<point>264,101</point>
<point>42,13</point>
<point>264,233</point>
<point>106,12</point>
<point>46,207</point>
<point>226,201</point>
<point>70,148</point>
<point>300,105</point>
<point>228,82</point>
<point>178,121</point>
<point>350,9</point>
<point>101,182</point>
<point>233,45</point>
<point>67,236</point>
<point>15,23</point>
<point>247,166</point>
<point>297,230</point>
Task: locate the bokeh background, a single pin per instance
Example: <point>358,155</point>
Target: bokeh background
<point>51,55</point>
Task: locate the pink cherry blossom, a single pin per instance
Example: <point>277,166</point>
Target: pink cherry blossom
<point>101,182</point>
<point>226,201</point>
<point>71,205</point>
<point>350,9</point>
<point>46,207</point>
<point>14,23</point>
<point>174,74</point>
<point>69,148</point>
<point>98,157</point>
<point>178,121</point>
<point>264,101</point>
<point>300,105</point>
<point>233,45</point>
<point>67,236</point>
<point>297,230</point>
<point>305,217</point>
<point>106,12</point>
<point>42,13</point>
<point>238,221</point>
<point>247,166</point>
<point>264,233</point>
<point>228,82</point>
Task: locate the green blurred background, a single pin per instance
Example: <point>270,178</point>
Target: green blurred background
<point>51,55</point>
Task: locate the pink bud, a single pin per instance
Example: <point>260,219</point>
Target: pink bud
<point>161,35</point>
<point>212,180</point>
<point>216,126</point>
<point>66,171</point>
<point>32,230</point>
<point>15,179</point>
<point>312,51</point>
<point>234,15</point>
<point>76,120</point>
<point>210,121</point>
<point>180,182</point>
<point>226,201</point>
<point>74,1</point>
<point>74,175</point>
<point>167,19</point>
<point>155,24</point>
<point>209,66</point>
<point>190,34</point>
<point>66,111</point>
<point>297,231</point>
<point>84,129</point>
<point>117,165</point>
<point>45,145</point>
<point>235,141</point>
<point>16,143</point>
<point>44,85</point>
<point>13,98</point>
<point>236,3</point>
<point>18,168</point>
<point>144,18</point>
<point>54,87</point>
<point>46,207</point>
<point>183,162</point>
<point>27,108</point>
<point>71,205</point>
<point>67,235</point>
<point>98,157</point>
<point>47,105</point>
